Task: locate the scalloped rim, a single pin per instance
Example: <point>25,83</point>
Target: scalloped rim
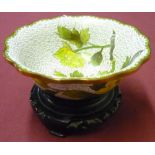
<point>116,75</point>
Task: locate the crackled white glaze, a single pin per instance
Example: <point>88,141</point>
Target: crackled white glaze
<point>32,46</point>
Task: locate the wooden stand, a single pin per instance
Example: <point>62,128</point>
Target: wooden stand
<point>63,117</point>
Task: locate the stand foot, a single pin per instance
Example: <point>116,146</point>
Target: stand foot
<point>63,117</point>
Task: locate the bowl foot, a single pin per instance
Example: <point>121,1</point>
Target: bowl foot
<point>63,117</point>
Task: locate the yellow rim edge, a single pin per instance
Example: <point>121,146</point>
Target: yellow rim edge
<point>77,80</point>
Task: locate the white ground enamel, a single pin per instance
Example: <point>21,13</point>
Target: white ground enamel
<point>32,46</point>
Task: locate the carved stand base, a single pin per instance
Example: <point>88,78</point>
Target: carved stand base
<point>63,117</point>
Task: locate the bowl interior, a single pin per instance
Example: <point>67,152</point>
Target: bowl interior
<point>71,47</point>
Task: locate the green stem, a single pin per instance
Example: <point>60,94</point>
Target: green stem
<point>112,45</point>
<point>93,46</point>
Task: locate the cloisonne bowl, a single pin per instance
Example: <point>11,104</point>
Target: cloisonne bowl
<point>76,57</point>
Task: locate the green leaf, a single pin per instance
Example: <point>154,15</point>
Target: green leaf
<point>97,58</point>
<point>74,36</point>
<point>129,60</point>
<point>64,33</point>
<point>75,33</point>
<point>66,45</point>
<point>136,55</point>
<point>126,62</point>
<point>56,73</point>
<point>76,74</point>
<point>113,63</point>
<point>68,57</point>
<point>84,35</point>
